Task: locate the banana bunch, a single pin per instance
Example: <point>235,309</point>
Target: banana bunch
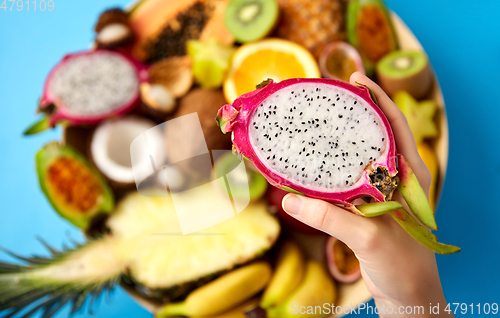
<point>297,285</point>
<point>222,294</point>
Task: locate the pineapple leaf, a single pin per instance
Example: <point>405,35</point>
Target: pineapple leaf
<point>43,286</point>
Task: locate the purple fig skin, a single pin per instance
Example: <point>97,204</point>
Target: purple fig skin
<point>235,118</point>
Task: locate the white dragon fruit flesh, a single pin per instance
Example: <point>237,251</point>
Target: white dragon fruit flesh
<point>87,87</point>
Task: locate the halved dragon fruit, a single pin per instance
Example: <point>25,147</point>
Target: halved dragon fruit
<point>87,87</point>
<point>323,138</point>
<point>326,139</point>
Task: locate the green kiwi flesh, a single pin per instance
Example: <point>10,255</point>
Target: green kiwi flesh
<point>405,70</point>
<point>257,184</point>
<point>250,20</point>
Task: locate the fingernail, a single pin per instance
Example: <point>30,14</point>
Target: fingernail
<point>292,204</point>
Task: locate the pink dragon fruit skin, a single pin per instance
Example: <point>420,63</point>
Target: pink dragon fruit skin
<point>60,111</point>
<point>236,118</point>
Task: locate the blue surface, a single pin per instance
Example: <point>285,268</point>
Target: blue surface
<point>461,39</point>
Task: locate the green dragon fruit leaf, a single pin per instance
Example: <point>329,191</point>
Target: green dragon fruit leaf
<point>421,234</point>
<point>414,195</point>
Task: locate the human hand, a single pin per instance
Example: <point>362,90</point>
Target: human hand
<point>397,270</point>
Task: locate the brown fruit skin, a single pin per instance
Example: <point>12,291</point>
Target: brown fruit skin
<point>206,103</point>
<point>113,16</point>
<point>312,23</point>
<point>417,85</point>
<point>110,16</point>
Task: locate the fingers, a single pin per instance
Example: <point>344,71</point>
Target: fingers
<point>326,217</point>
<point>405,142</point>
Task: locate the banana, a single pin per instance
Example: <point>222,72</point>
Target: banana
<point>223,293</point>
<point>288,274</point>
<point>316,289</point>
<point>238,312</point>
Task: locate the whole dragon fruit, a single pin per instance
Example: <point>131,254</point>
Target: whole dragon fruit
<point>89,86</point>
<point>326,139</point>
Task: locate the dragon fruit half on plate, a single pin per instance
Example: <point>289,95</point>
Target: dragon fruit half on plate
<point>327,139</point>
<point>89,86</point>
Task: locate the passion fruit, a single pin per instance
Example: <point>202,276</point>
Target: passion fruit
<point>339,60</point>
<point>342,263</point>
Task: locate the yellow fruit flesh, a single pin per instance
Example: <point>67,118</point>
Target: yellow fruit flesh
<point>73,186</point>
<point>262,65</point>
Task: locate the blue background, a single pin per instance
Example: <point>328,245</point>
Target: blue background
<point>462,40</point>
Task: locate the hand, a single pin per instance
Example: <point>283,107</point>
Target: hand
<point>397,270</point>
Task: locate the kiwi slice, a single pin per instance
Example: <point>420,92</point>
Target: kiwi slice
<point>250,20</point>
<point>405,70</point>
<point>241,185</point>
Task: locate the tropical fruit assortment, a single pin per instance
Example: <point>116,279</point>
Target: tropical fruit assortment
<point>275,75</point>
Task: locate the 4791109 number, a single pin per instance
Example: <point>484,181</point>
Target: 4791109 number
<point>20,5</point>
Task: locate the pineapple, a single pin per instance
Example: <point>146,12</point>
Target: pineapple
<point>144,250</point>
<point>312,23</point>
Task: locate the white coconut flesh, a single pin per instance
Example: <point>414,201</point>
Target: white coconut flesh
<point>113,32</point>
<point>110,147</point>
<point>318,136</point>
<point>94,84</point>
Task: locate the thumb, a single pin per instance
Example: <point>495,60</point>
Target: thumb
<point>329,218</point>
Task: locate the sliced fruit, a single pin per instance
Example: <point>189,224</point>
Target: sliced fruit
<point>405,70</point>
<point>108,86</point>
<point>420,115</point>
<point>112,29</point>
<point>339,60</point>
<point>312,23</point>
<point>210,61</point>
<point>145,250</point>
<point>370,30</point>
<point>74,188</point>
<point>242,185</point>
<point>172,259</point>
<point>110,148</point>
<point>275,197</point>
<point>342,263</point>
<point>162,27</point>
<point>222,294</point>
<point>251,20</point>
<point>429,157</point>
<point>173,73</point>
<point>270,58</point>
<point>157,101</point>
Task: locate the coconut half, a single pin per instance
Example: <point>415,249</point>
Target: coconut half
<point>110,148</point>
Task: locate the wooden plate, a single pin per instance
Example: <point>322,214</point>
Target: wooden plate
<point>348,294</point>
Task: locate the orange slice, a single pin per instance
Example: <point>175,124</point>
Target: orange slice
<point>270,58</point>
